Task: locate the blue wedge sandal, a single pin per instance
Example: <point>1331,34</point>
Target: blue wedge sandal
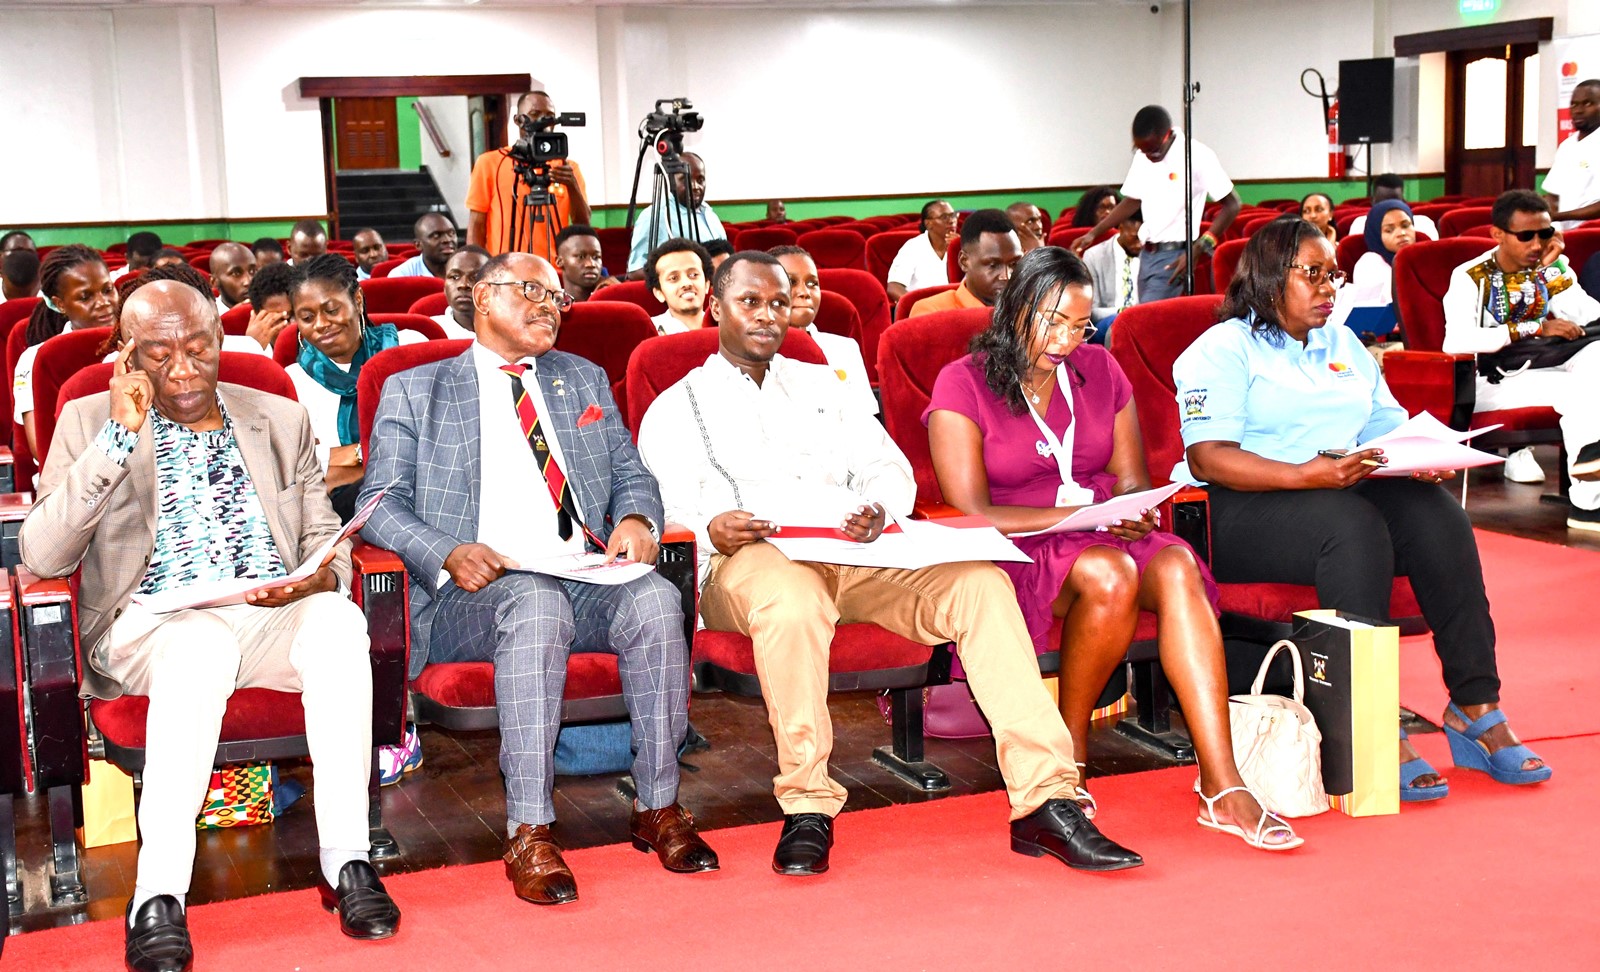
<point>1413,768</point>
<point>1503,766</point>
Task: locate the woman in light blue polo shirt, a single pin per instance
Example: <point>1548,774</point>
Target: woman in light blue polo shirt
<point>1268,400</point>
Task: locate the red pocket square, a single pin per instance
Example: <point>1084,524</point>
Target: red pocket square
<point>590,415</point>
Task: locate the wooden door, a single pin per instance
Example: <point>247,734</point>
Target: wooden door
<point>366,133</point>
<point>1491,119</point>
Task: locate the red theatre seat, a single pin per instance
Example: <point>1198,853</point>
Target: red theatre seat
<point>430,306</point>
<point>383,268</point>
<point>605,332</point>
<point>882,248</point>
<point>1581,245</point>
<point>836,248</point>
<point>1465,217</point>
<point>764,238</point>
<point>635,292</point>
<point>657,365</point>
<point>395,295</point>
<point>236,319</point>
<point>616,242</point>
<point>1225,262</point>
<point>872,306</point>
<point>287,347</point>
<point>902,310</point>
<point>835,315</point>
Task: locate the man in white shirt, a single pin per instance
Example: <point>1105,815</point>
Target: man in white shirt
<point>920,262</point>
<point>1155,186</point>
<point>842,351</point>
<point>1508,296</point>
<point>512,453</point>
<point>678,272</point>
<point>459,274</point>
<point>370,250</point>
<point>436,244</point>
<point>1390,186</point>
<point>1114,264</point>
<point>1573,183</point>
<point>233,266</point>
<point>750,430</point>
<point>686,214</point>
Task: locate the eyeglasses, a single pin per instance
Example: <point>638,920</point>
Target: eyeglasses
<point>1315,275</point>
<point>537,293</point>
<point>1526,236</point>
<point>942,217</point>
<point>1079,332</point>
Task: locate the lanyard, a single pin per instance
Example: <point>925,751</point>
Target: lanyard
<point>1070,493</point>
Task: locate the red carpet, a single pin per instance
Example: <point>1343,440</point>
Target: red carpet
<point>1492,874</point>
<point>1544,598</point>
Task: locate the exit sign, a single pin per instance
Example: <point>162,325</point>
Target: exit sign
<point>1479,6</point>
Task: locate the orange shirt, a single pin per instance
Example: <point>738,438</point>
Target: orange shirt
<point>493,190</point>
<point>949,300</point>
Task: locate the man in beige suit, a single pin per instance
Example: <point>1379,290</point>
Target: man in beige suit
<point>169,480</point>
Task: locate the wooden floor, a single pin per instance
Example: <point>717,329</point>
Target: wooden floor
<point>452,809</point>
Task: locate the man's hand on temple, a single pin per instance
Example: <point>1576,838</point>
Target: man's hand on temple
<point>131,393</point>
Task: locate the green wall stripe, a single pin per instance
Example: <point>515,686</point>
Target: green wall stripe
<point>408,131</point>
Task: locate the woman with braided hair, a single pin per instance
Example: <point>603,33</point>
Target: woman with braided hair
<point>77,293</point>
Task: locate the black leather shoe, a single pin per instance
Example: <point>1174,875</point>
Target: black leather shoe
<point>803,845</point>
<point>1060,829</point>
<point>158,937</point>
<point>365,910</point>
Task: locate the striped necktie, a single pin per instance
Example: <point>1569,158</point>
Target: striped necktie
<point>554,477</point>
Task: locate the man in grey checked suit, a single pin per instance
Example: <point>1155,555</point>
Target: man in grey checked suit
<point>470,477</point>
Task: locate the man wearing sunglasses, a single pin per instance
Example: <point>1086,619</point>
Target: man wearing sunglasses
<point>1524,315</point>
<point>509,455</point>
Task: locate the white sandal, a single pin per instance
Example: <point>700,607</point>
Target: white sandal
<point>1259,839</point>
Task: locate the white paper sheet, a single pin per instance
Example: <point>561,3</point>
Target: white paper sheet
<point>1128,506</point>
<point>587,568</point>
<point>223,593</point>
<point>1422,443</point>
<point>920,543</point>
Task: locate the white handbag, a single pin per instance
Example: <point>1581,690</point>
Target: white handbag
<point>1277,746</point>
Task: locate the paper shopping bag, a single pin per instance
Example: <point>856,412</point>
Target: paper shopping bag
<point>108,816</point>
<point>1353,691</point>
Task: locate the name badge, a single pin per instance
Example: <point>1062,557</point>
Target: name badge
<point>1074,495</point>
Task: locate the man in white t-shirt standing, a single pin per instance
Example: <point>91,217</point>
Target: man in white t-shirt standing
<point>1155,186</point>
<point>1573,184</point>
<point>920,262</point>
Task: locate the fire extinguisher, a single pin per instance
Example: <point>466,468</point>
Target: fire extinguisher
<point>1336,159</point>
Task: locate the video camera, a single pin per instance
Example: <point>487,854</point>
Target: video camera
<point>539,146</point>
<point>666,128</point>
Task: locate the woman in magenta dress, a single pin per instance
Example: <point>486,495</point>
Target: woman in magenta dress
<point>1001,427</point>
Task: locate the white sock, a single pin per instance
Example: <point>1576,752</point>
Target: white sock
<point>334,859</point>
<point>141,895</point>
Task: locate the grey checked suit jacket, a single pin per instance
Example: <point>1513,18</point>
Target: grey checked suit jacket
<point>96,514</point>
<point>424,448</point>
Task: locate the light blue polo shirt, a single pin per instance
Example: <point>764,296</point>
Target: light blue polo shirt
<point>676,222</point>
<point>1280,402</point>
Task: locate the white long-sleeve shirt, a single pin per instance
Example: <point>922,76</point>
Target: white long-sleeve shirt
<point>716,441</point>
<point>1470,327</point>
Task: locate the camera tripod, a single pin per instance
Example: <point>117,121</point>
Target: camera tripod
<point>666,212</point>
<point>534,203</point>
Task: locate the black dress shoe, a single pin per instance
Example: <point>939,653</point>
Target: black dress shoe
<point>365,910</point>
<point>803,845</point>
<point>1060,829</point>
<point>158,937</point>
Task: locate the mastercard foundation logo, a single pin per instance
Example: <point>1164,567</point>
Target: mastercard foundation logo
<point>1569,69</point>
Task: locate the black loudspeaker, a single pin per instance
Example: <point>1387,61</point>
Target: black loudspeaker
<point>1366,101</point>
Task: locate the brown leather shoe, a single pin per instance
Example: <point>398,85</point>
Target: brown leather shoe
<point>537,872</point>
<point>670,833</point>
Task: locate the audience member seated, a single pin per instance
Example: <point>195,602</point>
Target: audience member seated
<point>496,221</point>
<point>436,243</point>
<point>308,638</point>
<point>257,340</point>
<point>1114,264</point>
<point>232,269</point>
<point>1521,310</point>
<point>459,275</point>
<point>1390,186</point>
<point>1029,224</point>
<point>336,339</point>
<point>16,240</point>
<point>842,352</point>
<point>1080,445</point>
<point>19,274</point>
<point>776,211</point>
<point>306,240</point>
<point>1317,209</point>
<point>920,262</point>
<point>1275,408</point>
<point>686,215</point>
<point>267,251</point>
<point>271,303</point>
<point>719,250</point>
<point>989,250</point>
<point>1154,185</point>
<point>370,250</point>
<point>678,273</point>
<point>1366,306</point>
<point>1095,205</point>
<point>457,444</point>
<point>78,293</point>
<point>778,432</point>
<point>168,256</point>
<point>579,259</point>
<point>141,252</point>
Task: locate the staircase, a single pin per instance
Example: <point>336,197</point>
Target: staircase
<point>388,200</point>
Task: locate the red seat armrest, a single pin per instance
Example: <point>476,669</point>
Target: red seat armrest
<point>1443,385</point>
<point>924,510</point>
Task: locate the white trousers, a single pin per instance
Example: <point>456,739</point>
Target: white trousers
<point>188,664</point>
<point>1573,390</point>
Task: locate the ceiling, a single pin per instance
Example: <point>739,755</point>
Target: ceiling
<point>800,4</point>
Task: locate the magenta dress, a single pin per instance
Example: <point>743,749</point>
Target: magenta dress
<point>1020,475</point>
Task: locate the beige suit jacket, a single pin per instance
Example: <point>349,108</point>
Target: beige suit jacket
<point>98,517</point>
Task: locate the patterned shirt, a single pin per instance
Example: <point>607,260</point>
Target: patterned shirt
<point>1520,300</point>
<point>210,525</point>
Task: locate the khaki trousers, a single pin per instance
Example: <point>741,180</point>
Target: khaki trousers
<point>789,610</point>
<point>188,663</point>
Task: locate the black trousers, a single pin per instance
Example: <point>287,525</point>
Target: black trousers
<point>1350,544</point>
